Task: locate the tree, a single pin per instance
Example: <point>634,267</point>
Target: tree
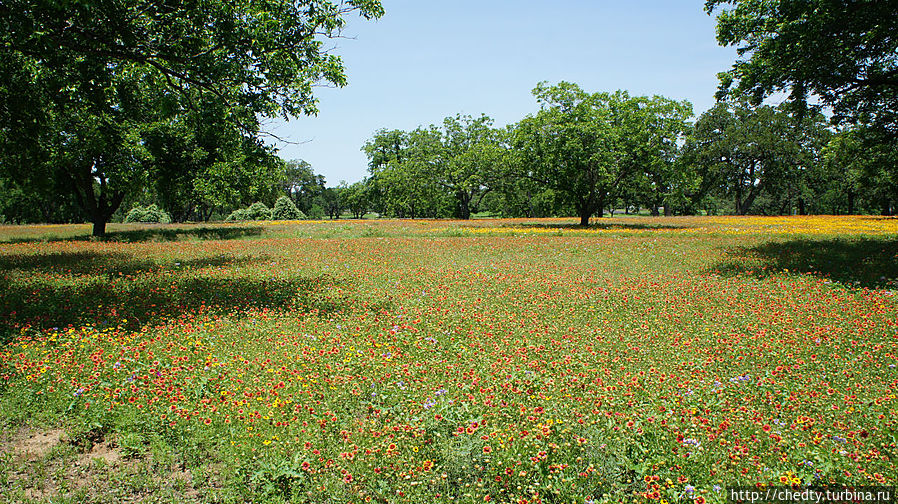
<point>516,196</point>
<point>651,132</point>
<point>844,52</point>
<point>467,165</point>
<point>594,147</point>
<point>84,83</point>
<point>331,200</point>
<point>284,209</point>
<point>743,152</point>
<point>151,213</point>
<point>862,170</point>
<point>201,163</point>
<point>568,146</point>
<point>36,203</point>
<point>302,184</point>
<point>355,197</point>
<point>401,182</point>
<point>256,211</point>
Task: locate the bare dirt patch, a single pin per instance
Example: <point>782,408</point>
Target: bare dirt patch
<point>104,450</point>
<point>30,444</point>
<point>88,469</point>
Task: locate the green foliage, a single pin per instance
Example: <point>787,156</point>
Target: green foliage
<point>844,53</point>
<point>748,152</point>
<point>595,147</point>
<point>284,209</point>
<point>302,184</point>
<point>435,171</point>
<point>200,165</point>
<point>256,211</point>
<point>237,215</point>
<point>398,183</point>
<point>150,213</point>
<point>516,196</point>
<point>331,201</point>
<point>473,152</point>
<point>355,198</point>
<point>845,56</point>
<point>21,203</point>
<point>316,212</point>
<point>859,172</point>
<point>92,91</point>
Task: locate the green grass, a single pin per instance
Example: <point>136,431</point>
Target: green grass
<point>443,361</point>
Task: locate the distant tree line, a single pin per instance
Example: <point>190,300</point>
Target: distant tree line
<point>586,154</point>
<point>265,194</point>
<point>580,154</point>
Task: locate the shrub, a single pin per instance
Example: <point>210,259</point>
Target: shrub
<point>256,211</point>
<point>237,215</point>
<point>284,209</point>
<point>150,213</point>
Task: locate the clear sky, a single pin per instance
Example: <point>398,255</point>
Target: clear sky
<point>426,60</point>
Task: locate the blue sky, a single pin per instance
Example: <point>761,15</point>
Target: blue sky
<point>427,60</point>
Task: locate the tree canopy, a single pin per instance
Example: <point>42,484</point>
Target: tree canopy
<point>593,146</point>
<point>743,151</point>
<point>844,53</point>
<point>86,84</point>
<point>426,170</point>
<point>106,106</point>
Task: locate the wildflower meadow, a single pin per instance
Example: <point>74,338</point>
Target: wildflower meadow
<point>522,361</point>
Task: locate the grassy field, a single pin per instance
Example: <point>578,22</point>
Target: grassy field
<point>641,359</point>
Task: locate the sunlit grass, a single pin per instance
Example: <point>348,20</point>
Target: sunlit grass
<point>446,361</point>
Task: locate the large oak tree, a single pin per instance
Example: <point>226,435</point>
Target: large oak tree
<point>84,83</point>
<point>592,147</point>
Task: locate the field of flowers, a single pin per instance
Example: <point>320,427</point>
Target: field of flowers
<point>438,361</point>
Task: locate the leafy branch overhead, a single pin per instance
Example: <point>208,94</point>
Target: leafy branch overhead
<point>264,55</point>
<point>844,53</point>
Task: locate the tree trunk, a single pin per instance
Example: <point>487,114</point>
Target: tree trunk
<point>742,206</point>
<point>668,211</point>
<point>786,209</point>
<point>99,226</point>
<point>464,208</point>
<point>584,210</point>
<point>103,211</point>
<point>600,207</point>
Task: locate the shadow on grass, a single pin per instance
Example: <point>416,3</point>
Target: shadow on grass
<point>865,262</point>
<point>109,289</point>
<point>175,234</point>
<point>111,263</point>
<point>160,234</point>
<point>593,224</point>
